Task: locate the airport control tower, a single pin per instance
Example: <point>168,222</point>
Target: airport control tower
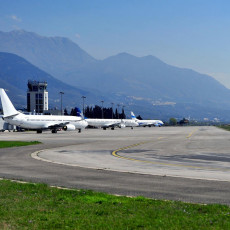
<point>37,96</point>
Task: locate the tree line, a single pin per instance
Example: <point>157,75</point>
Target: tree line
<point>97,112</point>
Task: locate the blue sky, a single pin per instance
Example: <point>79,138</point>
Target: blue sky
<point>186,33</point>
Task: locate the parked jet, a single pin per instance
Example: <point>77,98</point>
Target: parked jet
<point>147,122</point>
<point>39,122</point>
<point>108,123</point>
<point>104,123</point>
<point>111,123</point>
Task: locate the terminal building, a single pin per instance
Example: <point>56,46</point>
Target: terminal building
<point>37,96</point>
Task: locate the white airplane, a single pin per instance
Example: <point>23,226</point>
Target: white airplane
<point>104,123</point>
<point>38,122</point>
<point>111,123</point>
<point>108,123</point>
<point>129,123</point>
<point>147,122</point>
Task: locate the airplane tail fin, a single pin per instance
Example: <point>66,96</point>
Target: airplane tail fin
<point>133,116</point>
<point>7,106</point>
<point>79,113</point>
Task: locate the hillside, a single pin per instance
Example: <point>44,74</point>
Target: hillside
<point>144,84</point>
<point>15,73</point>
<point>55,55</point>
<point>150,79</point>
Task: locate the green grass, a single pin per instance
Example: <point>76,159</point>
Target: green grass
<point>226,127</point>
<point>7,144</point>
<point>38,206</point>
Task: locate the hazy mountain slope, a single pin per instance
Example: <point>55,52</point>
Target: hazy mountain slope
<point>15,73</point>
<point>153,80</point>
<point>55,55</point>
<point>143,83</point>
<point>123,74</point>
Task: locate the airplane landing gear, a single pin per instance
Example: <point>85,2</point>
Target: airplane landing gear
<point>54,131</point>
<point>39,131</point>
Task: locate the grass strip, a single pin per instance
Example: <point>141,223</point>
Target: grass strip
<point>8,144</point>
<point>226,127</point>
<point>38,206</point>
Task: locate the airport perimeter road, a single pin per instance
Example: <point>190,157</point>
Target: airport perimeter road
<point>190,164</point>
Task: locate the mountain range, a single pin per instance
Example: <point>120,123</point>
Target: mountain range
<point>15,72</point>
<point>146,85</point>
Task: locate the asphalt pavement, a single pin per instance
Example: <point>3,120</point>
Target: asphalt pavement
<point>189,164</point>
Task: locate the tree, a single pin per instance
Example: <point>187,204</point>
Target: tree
<point>65,112</point>
<point>96,112</point>
<point>184,121</point>
<point>172,121</point>
<point>116,114</point>
<point>139,117</point>
<point>123,114</point>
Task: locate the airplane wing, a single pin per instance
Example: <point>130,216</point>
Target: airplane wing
<point>58,125</point>
<point>112,124</point>
<point>141,123</point>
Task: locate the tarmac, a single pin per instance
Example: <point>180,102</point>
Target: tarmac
<point>190,164</point>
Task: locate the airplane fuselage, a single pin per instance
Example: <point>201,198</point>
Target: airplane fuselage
<point>38,122</point>
<point>111,122</point>
<point>146,122</point>
<point>149,122</point>
<point>44,121</point>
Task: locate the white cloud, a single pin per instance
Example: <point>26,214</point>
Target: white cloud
<point>15,18</point>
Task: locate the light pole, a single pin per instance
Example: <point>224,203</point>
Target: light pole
<point>61,102</point>
<point>118,110</point>
<point>112,109</point>
<point>102,112</point>
<point>83,107</point>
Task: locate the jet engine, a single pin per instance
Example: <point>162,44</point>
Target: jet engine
<point>122,125</point>
<point>69,127</point>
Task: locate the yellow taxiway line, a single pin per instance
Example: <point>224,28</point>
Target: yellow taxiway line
<point>190,134</point>
<point>115,154</point>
